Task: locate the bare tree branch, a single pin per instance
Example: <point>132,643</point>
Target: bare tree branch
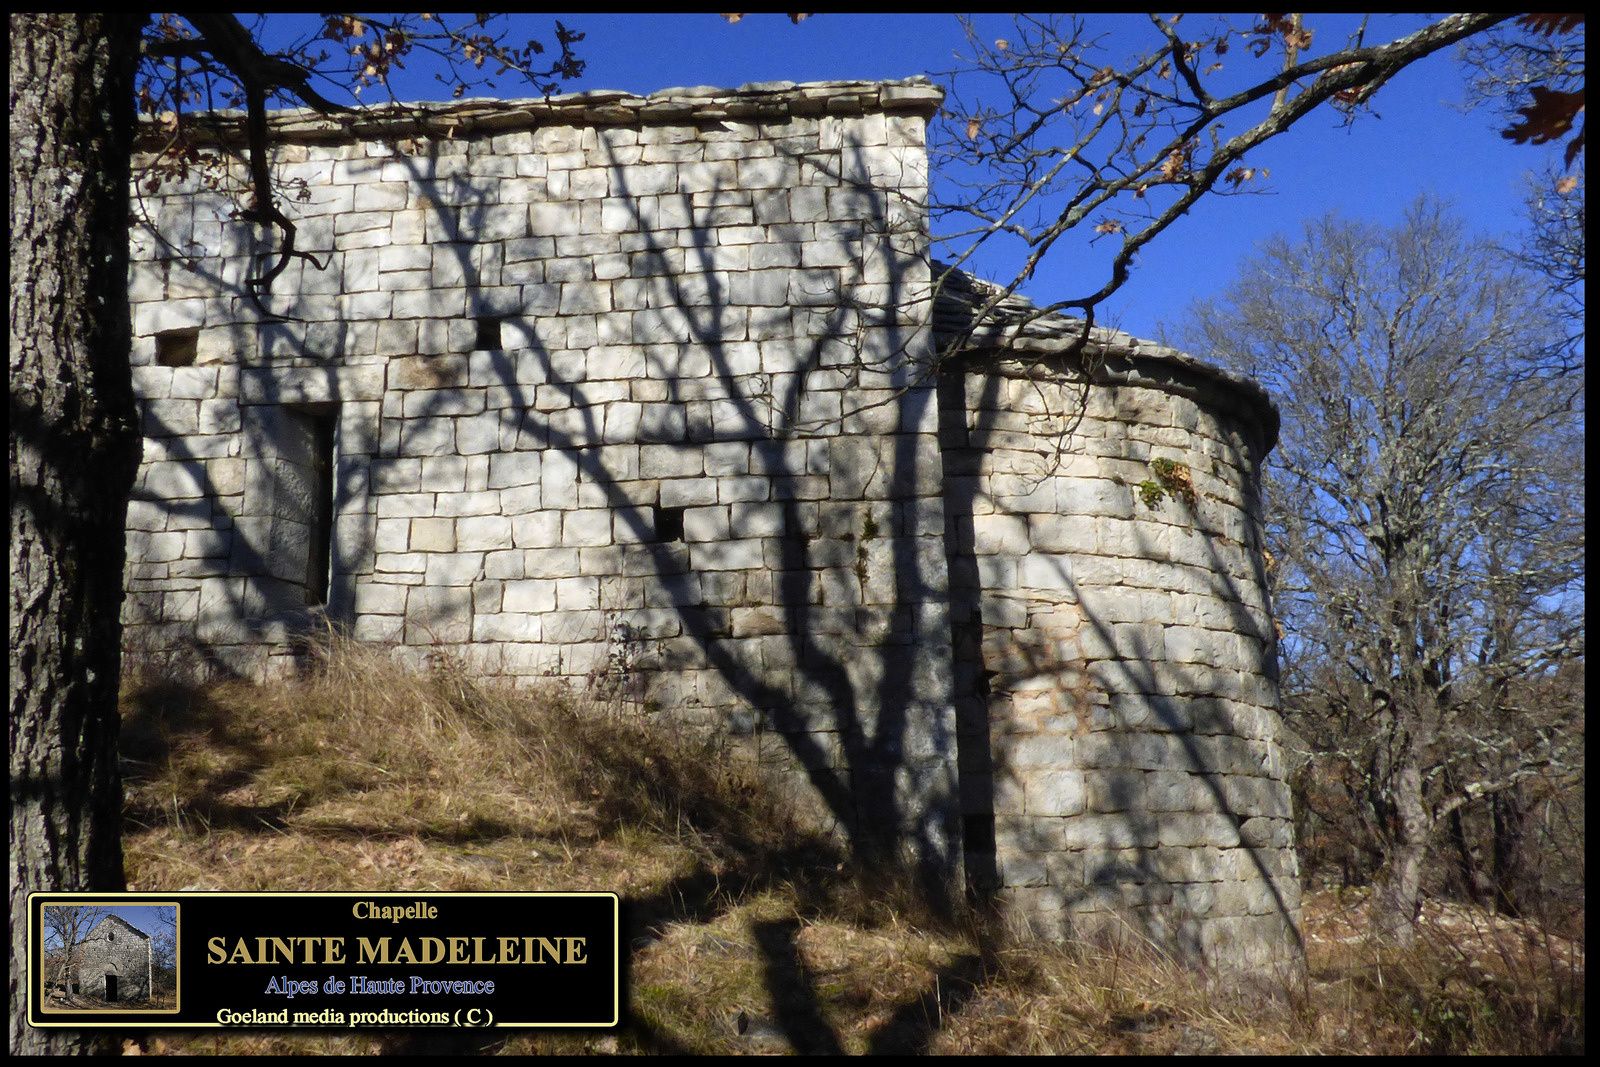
<point>219,52</point>
<point>1146,127</point>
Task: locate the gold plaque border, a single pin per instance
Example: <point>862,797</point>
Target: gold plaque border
<point>140,898</point>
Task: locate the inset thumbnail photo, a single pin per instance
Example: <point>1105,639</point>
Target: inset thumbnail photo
<point>110,957</point>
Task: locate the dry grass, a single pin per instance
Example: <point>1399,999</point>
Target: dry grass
<point>1474,982</point>
<point>749,932</point>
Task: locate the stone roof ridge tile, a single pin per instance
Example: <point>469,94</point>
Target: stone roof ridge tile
<point>121,922</point>
<point>1015,322</point>
<point>917,94</point>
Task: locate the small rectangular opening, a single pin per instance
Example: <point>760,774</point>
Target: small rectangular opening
<point>488,333</point>
<point>177,348</point>
<point>668,524</point>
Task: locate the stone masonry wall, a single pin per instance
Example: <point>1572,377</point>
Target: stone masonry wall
<point>114,947</point>
<point>621,388</point>
<point>1115,660</point>
<point>635,392</point>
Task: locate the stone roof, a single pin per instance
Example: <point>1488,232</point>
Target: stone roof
<point>1014,325</point>
<point>754,102</point>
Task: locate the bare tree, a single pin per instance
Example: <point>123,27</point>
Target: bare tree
<point>67,925</point>
<point>164,950</point>
<point>1532,72</point>
<point>1427,512</point>
<point>1052,136</point>
<point>1556,242</point>
<point>73,438</point>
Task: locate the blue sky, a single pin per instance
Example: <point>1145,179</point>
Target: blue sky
<point>141,916</point>
<point>1420,139</point>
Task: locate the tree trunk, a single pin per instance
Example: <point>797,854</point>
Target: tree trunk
<point>1512,816</point>
<point>1397,900</point>
<point>74,448</point>
<point>1476,884</point>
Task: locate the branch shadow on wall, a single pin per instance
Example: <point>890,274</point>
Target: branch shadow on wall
<point>1134,708</point>
<point>828,685</point>
<point>843,719</point>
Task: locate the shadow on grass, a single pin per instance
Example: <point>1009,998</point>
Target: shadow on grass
<point>167,727</point>
<point>749,842</point>
<point>203,747</point>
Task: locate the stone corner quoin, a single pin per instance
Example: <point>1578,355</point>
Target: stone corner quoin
<point>654,394</point>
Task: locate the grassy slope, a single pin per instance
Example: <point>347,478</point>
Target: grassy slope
<point>750,933</point>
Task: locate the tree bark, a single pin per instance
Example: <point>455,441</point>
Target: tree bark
<point>1512,814</point>
<point>1475,883</point>
<point>1397,901</point>
<point>74,448</point>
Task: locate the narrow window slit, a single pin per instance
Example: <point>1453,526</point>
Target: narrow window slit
<point>304,500</point>
<point>319,565</point>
